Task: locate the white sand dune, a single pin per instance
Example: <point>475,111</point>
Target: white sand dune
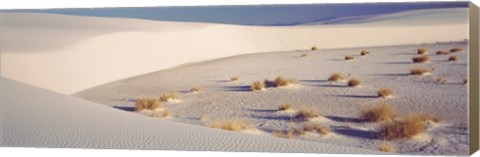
<point>68,54</point>
<point>34,117</point>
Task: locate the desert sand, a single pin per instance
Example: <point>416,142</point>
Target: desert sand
<point>88,72</point>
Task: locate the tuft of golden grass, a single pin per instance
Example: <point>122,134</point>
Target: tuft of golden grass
<point>442,52</point>
<point>457,49</point>
<point>284,134</point>
<point>282,82</point>
<point>147,103</point>
<point>170,96</point>
<point>306,112</point>
<point>335,77</point>
<point>285,106</point>
<point>453,58</point>
<point>354,82</point>
<point>304,55</point>
<point>323,130</point>
<point>234,78</point>
<point>349,58</point>
<point>385,147</point>
<point>378,113</point>
<point>364,52</point>
<point>405,128</point>
<point>166,113</point>
<point>422,51</point>
<point>257,85</point>
<point>465,81</point>
<point>421,59</point>
<point>196,89</point>
<point>231,124</point>
<point>314,48</point>
<point>441,80</point>
<point>419,71</point>
<point>384,92</point>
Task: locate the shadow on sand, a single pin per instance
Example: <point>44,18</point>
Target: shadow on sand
<point>238,88</point>
<point>345,119</point>
<point>357,96</point>
<point>125,108</point>
<point>347,131</point>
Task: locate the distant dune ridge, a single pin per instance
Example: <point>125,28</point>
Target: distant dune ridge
<point>75,53</point>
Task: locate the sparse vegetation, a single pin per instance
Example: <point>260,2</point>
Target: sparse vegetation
<point>304,55</point>
<point>314,48</point>
<point>457,49</point>
<point>284,134</point>
<point>147,103</point>
<point>422,51</point>
<point>465,81</point>
<point>364,53</point>
<point>421,59</point>
<point>349,58</point>
<point>170,96</point>
<point>258,85</point>
<point>285,106</point>
<point>441,80</point>
<point>419,71</point>
<point>385,147</point>
<point>196,89</point>
<point>231,124</point>
<point>354,82</point>
<point>282,82</point>
<point>316,127</point>
<point>442,52</point>
<point>453,58</point>
<point>404,128</point>
<point>384,92</point>
<point>307,112</point>
<point>379,113</point>
<point>335,77</point>
<point>234,78</point>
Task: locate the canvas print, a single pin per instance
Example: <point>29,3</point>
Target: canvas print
<point>358,78</point>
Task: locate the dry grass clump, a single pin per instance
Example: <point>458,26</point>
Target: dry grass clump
<point>379,113</point>
<point>457,49</point>
<point>284,134</point>
<point>421,59</point>
<point>465,81</point>
<point>385,147</point>
<point>307,112</point>
<point>419,71</point>
<point>314,48</point>
<point>196,89</point>
<point>335,77</point>
<point>323,130</point>
<point>442,52</point>
<point>147,103</point>
<point>257,85</point>
<point>364,53</point>
<point>384,92</point>
<point>453,58</point>
<point>234,78</point>
<point>231,124</point>
<point>422,51</point>
<point>285,107</point>
<point>441,80</point>
<point>170,96</point>
<point>349,58</point>
<point>163,114</point>
<point>282,82</point>
<point>405,128</point>
<point>304,55</point>
<point>354,82</point>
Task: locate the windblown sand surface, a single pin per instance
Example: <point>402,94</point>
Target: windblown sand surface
<point>74,55</point>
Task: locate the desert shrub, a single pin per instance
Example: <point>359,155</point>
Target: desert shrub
<point>364,53</point>
<point>457,49</point>
<point>282,82</point>
<point>257,85</point>
<point>314,48</point>
<point>441,80</point>
<point>349,58</point>
<point>442,52</point>
<point>419,71</point>
<point>385,147</point>
<point>284,134</point>
<point>234,78</point>
<point>231,124</point>
<point>354,82</point>
<point>307,112</point>
<point>422,51</point>
<point>420,59</point>
<point>196,89</point>
<point>316,127</point>
<point>405,128</point>
<point>147,103</point>
<point>465,81</point>
<point>378,113</point>
<point>335,77</point>
<point>453,58</point>
<point>304,55</point>
<point>384,92</point>
<point>285,106</point>
<point>170,96</point>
